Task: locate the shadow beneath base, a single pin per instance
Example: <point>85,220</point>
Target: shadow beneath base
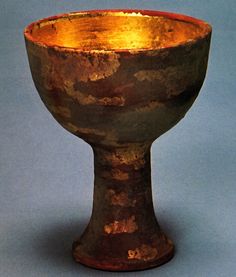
<point>54,244</point>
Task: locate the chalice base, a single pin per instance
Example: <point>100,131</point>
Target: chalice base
<point>141,258</point>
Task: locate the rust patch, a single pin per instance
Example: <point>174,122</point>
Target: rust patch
<point>120,199</point>
<point>116,174</point>
<point>103,137</point>
<point>96,67</point>
<point>85,99</point>
<point>90,131</point>
<point>150,106</point>
<point>87,131</point>
<point>151,75</point>
<point>178,77</point>
<point>134,156</point>
<point>60,110</point>
<point>84,67</point>
<point>144,252</point>
<point>111,101</point>
<point>124,226</point>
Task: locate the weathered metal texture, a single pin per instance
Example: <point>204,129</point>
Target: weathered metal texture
<point>119,87</point>
<point>123,233</point>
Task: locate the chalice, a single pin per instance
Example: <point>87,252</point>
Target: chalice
<point>119,79</point>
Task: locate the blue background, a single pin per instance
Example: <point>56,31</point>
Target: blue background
<point>46,179</point>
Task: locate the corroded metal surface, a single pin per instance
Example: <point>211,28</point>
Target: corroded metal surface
<point>119,80</point>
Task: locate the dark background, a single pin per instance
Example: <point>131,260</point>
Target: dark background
<point>46,181</point>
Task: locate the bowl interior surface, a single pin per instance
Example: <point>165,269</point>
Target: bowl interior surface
<point>117,30</point>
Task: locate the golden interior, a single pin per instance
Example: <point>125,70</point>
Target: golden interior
<point>114,31</point>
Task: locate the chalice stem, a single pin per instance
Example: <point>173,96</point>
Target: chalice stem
<point>123,233</point>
